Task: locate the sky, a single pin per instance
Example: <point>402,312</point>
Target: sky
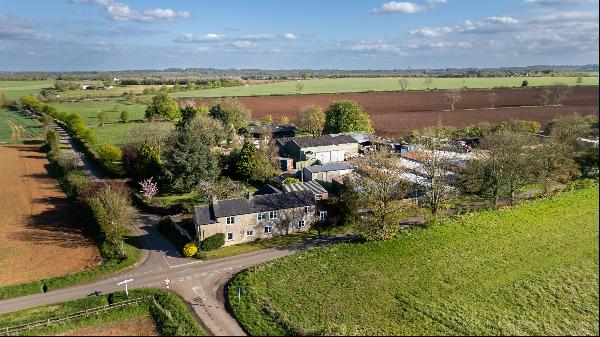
<point>84,35</point>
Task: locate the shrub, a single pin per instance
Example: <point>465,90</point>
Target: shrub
<point>124,116</point>
<point>80,184</point>
<point>213,242</point>
<point>109,153</point>
<point>190,249</point>
<point>67,162</point>
<point>290,180</point>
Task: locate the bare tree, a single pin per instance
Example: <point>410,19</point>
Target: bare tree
<point>492,97</point>
<point>312,119</point>
<point>558,91</point>
<point>403,82</point>
<point>288,219</point>
<point>452,97</point>
<point>428,82</point>
<point>299,87</point>
<point>381,188</point>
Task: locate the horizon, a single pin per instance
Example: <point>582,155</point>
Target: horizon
<point>104,35</point>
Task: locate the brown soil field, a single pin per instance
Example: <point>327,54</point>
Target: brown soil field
<point>40,234</point>
<point>139,326</point>
<point>397,113</point>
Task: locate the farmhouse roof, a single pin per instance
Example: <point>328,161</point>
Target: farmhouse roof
<point>327,140</point>
<point>209,214</point>
<point>329,167</point>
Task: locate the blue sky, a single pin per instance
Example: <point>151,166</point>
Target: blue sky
<point>58,35</point>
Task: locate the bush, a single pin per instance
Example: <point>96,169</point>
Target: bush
<point>213,242</point>
<point>109,153</point>
<point>124,116</point>
<point>190,249</point>
<point>80,184</point>
<point>290,180</point>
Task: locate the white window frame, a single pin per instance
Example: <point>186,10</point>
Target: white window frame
<point>230,220</point>
<point>322,215</point>
<point>306,209</point>
<point>270,229</point>
<point>260,216</point>
<point>273,214</point>
<point>228,233</point>
<point>251,231</point>
<point>301,223</point>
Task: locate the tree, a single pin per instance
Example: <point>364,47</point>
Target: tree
<point>224,188</point>
<point>555,163</point>
<point>452,96</point>
<point>149,189</point>
<point>154,134</point>
<point>109,153</point>
<point>188,113</point>
<point>124,118</point>
<point>145,162</point>
<point>567,129</point>
<point>403,82</point>
<point>231,113</point>
<point>246,161</point>
<point>558,91</point>
<point>312,119</point>
<point>163,106</point>
<point>381,191</point>
<point>506,164</point>
<point>346,116</point>
<point>102,117</point>
<point>267,120</point>
<point>53,141</point>
<point>436,166</point>
<point>5,101</point>
<point>428,82</point>
<point>525,84</point>
<point>267,157</point>
<point>492,97</point>
<point>579,81</point>
<point>299,87</point>
<point>111,210</point>
<point>189,158</point>
<point>30,103</point>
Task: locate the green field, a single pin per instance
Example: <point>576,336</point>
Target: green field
<point>118,134</point>
<point>15,127</point>
<point>527,270</point>
<point>318,86</point>
<point>171,315</point>
<point>16,89</point>
<point>88,110</point>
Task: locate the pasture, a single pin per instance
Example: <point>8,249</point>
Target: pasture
<point>16,128</point>
<point>346,85</point>
<point>16,89</point>
<point>89,110</point>
<point>527,270</point>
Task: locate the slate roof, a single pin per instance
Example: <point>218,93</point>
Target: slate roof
<point>208,214</point>
<point>271,128</point>
<point>328,167</point>
<point>312,186</point>
<point>327,140</point>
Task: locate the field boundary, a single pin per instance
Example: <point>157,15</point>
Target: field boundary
<point>8,331</point>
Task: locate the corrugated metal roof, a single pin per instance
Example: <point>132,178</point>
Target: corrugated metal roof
<point>312,186</point>
<point>329,167</point>
<point>327,140</point>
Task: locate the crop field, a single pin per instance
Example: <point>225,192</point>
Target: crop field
<point>41,233</point>
<point>527,270</point>
<point>89,110</point>
<point>110,93</point>
<point>344,85</point>
<point>16,89</point>
<point>396,114</point>
<point>15,127</point>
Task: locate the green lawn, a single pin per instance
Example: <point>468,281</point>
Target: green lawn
<point>88,110</point>
<point>375,84</point>
<point>31,127</point>
<point>530,270</point>
<point>171,315</point>
<point>117,134</point>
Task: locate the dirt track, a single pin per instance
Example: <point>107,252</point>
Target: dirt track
<point>40,235</point>
<point>397,113</point>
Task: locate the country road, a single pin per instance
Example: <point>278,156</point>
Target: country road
<point>200,283</point>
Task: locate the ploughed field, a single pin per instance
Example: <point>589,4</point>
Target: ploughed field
<point>527,270</point>
<point>40,233</point>
<point>398,113</point>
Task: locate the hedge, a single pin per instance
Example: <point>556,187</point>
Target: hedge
<point>213,242</point>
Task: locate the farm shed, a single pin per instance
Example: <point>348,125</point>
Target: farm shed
<point>326,172</point>
<point>323,149</point>
<point>319,191</point>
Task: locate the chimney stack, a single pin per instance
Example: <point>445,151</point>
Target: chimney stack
<point>249,195</point>
<point>214,199</point>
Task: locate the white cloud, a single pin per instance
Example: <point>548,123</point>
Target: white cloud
<point>437,2</point>
<point>122,12</point>
<point>13,28</point>
<point>243,44</point>
<point>210,37</point>
<point>398,7</point>
<point>431,31</point>
<point>501,19</point>
<point>270,37</point>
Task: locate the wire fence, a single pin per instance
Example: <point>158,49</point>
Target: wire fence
<point>15,330</point>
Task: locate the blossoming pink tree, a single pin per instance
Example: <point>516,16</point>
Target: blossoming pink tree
<point>149,189</point>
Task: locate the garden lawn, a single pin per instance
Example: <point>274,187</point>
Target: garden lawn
<point>527,270</point>
<point>118,134</point>
<point>88,110</point>
<point>344,85</point>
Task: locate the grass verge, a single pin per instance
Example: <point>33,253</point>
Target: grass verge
<point>170,314</point>
<point>527,270</point>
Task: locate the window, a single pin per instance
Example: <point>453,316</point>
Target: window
<point>272,214</point>
<point>301,224</point>
<point>318,197</point>
<point>322,215</point>
<point>229,236</point>
<point>249,232</point>
<point>230,220</point>
<point>306,209</point>
<point>268,229</point>
<point>261,216</point>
